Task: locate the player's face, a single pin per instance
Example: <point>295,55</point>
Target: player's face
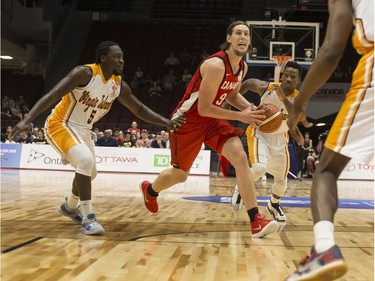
<point>115,60</point>
<point>290,79</point>
<point>240,39</point>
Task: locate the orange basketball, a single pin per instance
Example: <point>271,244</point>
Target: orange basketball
<point>273,119</point>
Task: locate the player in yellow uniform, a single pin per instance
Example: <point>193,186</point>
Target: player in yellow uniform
<point>87,94</point>
<point>351,135</point>
<point>268,152</point>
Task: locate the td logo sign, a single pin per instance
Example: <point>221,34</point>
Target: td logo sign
<point>161,160</point>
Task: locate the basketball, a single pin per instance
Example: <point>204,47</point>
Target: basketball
<point>273,119</point>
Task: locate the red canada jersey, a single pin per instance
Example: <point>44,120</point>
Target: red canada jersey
<point>189,103</point>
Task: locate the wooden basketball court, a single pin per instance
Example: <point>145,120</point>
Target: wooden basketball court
<point>187,239</point>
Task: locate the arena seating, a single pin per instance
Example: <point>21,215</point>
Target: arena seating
<point>16,84</point>
<point>148,45</point>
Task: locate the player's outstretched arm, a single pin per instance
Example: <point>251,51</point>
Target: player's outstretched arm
<point>254,85</point>
<point>338,30</point>
<point>129,100</point>
<point>78,76</point>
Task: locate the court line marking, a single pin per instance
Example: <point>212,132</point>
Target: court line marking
<point>21,245</point>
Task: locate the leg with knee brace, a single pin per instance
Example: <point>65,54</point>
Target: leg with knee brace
<point>83,160</point>
<point>258,170</point>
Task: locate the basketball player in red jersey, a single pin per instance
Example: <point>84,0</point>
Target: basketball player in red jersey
<point>217,79</point>
<point>351,135</point>
<point>87,94</point>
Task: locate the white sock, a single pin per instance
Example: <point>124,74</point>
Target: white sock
<point>324,236</point>
<point>72,201</point>
<point>86,207</point>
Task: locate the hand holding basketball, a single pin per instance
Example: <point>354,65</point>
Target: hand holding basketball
<point>251,116</point>
<point>273,119</point>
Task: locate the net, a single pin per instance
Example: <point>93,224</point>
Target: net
<point>280,64</point>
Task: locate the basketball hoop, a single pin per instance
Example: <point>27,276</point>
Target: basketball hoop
<point>280,64</point>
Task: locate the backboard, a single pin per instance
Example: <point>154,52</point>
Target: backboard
<point>300,40</point>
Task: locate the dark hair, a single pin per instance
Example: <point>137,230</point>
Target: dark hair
<point>225,45</point>
<point>103,49</point>
<point>293,64</point>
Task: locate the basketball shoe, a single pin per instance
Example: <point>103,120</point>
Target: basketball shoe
<point>328,265</point>
<point>276,211</point>
<point>151,202</point>
<point>74,214</point>
<point>91,226</point>
<point>262,227</point>
<point>236,200</point>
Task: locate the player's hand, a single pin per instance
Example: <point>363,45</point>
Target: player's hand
<point>175,123</point>
<point>295,116</point>
<point>279,91</point>
<point>253,117</point>
<point>21,126</point>
<point>253,107</point>
<point>306,123</point>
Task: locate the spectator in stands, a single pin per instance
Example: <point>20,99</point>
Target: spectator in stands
<point>23,106</point>
<point>155,89</point>
<point>34,132</point>
<point>170,80</point>
<point>70,133</point>
<point>314,155</point>
<point>5,107</point>
<point>134,138</point>
<point>40,139</point>
<point>119,136</point>
<point>144,141</point>
<point>186,77</point>
<point>127,140</point>
<point>107,139</point>
<point>16,111</point>
<point>151,136</point>
<point>9,139</point>
<point>96,131</point>
<point>158,142</point>
<point>8,131</point>
<point>307,146</point>
<point>165,137</point>
<point>23,137</point>
<point>94,137</point>
<point>134,127</point>
<point>171,60</point>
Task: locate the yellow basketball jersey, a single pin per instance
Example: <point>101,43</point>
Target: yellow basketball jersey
<point>270,96</point>
<point>352,133</point>
<point>84,106</point>
<point>363,36</point>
